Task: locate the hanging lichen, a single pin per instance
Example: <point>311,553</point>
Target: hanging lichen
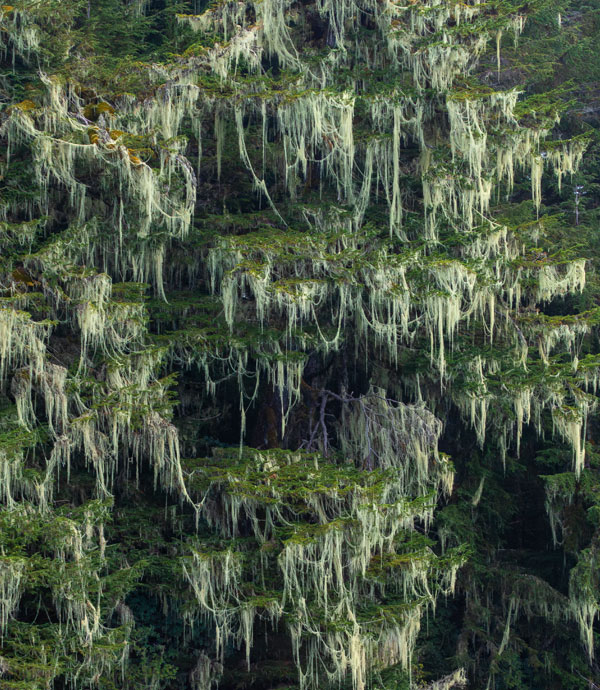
<point>283,240</point>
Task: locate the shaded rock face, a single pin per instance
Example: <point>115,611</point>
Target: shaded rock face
<point>298,347</point>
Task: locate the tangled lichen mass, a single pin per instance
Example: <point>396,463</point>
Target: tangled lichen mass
<point>299,345</point>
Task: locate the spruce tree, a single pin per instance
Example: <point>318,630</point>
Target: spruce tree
<point>298,344</point>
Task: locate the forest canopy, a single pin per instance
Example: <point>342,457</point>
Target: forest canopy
<point>299,356</point>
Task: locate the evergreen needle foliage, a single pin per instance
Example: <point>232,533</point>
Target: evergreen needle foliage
<point>299,357</point>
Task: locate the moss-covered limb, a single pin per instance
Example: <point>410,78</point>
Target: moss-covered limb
<point>457,679</point>
<point>19,237</point>
<point>584,592</point>
<point>27,663</point>
<point>21,35</point>
<point>327,562</point>
<point>61,144</point>
<point>501,410</point>
<point>77,422</point>
<point>565,490</point>
<point>312,127</point>
<point>125,407</point>
<point>299,478</point>
<point>79,575</point>
<point>62,559</point>
<point>252,269</point>
<point>431,33</point>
